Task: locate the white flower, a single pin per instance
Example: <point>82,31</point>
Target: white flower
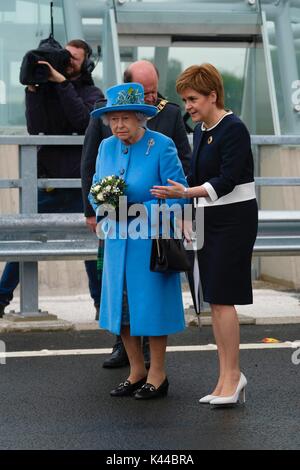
<point>97,188</point>
<point>100,197</point>
<point>108,188</point>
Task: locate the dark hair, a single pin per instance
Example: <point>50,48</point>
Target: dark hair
<point>80,44</point>
<point>127,76</point>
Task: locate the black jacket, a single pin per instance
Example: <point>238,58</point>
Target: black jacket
<point>61,109</point>
<point>168,121</point>
<point>222,156</point>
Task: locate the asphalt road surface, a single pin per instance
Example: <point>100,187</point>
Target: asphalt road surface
<point>63,401</point>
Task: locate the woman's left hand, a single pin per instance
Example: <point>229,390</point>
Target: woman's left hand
<point>175,191</point>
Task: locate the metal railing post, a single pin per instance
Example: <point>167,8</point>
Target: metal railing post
<point>28,176</point>
<point>29,296</point>
<point>256,262</point>
<point>28,184</point>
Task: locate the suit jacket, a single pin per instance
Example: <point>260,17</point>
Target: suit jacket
<point>168,122</point>
<point>222,156</point>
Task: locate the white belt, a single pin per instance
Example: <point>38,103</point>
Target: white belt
<point>241,192</point>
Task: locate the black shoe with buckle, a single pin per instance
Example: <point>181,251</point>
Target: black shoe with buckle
<point>148,391</point>
<point>118,357</point>
<point>146,351</point>
<point>127,389</point>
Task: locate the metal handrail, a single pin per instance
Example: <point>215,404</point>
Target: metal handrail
<point>37,140</point>
<point>28,182</point>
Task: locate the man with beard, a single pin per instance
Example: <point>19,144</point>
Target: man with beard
<point>60,107</point>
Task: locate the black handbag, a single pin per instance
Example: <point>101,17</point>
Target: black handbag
<point>169,255</point>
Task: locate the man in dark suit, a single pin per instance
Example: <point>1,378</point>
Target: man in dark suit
<point>168,121</point>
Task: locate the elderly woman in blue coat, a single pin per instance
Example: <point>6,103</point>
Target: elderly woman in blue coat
<point>136,301</point>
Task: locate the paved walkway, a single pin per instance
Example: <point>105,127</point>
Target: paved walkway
<point>270,307</point>
<point>55,394</point>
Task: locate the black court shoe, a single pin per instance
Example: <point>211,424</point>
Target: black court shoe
<point>148,391</point>
<point>126,389</point>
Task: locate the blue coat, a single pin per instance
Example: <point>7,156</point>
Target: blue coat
<point>154,299</point>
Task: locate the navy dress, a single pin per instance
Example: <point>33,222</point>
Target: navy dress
<point>223,163</point>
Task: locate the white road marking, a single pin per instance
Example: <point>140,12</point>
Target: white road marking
<point>85,352</point>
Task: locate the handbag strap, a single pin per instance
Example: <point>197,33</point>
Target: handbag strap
<point>171,220</point>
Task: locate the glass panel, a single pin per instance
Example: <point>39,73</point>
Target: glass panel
<point>283,30</point>
<point>22,25</point>
<point>245,78</point>
<point>229,61</point>
<point>245,83</point>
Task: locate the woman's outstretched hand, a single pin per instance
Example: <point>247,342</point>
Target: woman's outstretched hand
<point>175,191</point>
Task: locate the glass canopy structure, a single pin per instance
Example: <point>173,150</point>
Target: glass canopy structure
<point>255,44</point>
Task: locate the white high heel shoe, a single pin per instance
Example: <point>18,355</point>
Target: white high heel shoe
<point>239,394</point>
<point>207,398</point>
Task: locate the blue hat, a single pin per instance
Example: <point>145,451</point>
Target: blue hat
<point>125,97</point>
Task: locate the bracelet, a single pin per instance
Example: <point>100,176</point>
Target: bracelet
<point>185,191</point>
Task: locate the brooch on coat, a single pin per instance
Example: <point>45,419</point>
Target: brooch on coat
<point>151,142</point>
<point>210,139</point>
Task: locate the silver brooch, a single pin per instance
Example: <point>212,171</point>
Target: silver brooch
<point>151,142</point>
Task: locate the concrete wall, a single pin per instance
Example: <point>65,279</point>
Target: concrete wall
<point>281,161</point>
<point>55,277</point>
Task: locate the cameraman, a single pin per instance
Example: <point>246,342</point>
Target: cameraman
<point>59,107</point>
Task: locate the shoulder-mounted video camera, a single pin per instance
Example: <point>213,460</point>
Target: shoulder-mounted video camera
<point>49,50</point>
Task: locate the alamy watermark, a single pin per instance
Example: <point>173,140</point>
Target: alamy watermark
<point>295,97</point>
<point>2,353</point>
<point>2,92</point>
<point>296,357</point>
<point>151,220</point>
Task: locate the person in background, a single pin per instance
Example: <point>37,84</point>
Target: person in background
<point>169,122</point>
<point>60,107</point>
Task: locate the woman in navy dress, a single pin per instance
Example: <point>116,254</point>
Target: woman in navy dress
<point>222,183</point>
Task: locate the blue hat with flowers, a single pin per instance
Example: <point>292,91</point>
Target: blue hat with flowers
<point>125,97</point>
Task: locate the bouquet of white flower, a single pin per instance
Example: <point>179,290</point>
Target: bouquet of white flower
<point>108,190</point>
